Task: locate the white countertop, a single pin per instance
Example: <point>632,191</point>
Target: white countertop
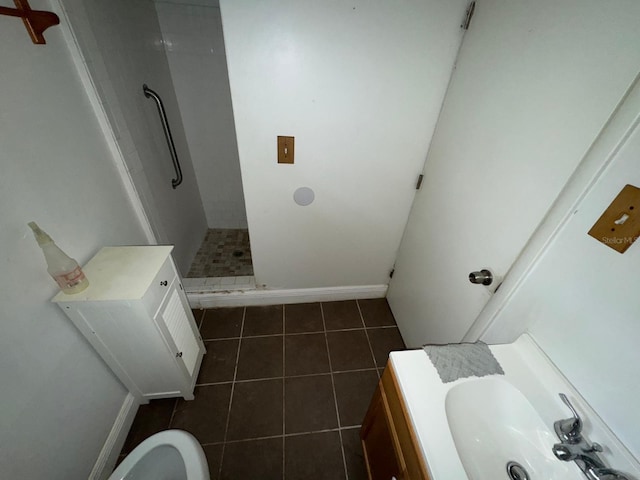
<point>137,265</point>
<point>526,368</point>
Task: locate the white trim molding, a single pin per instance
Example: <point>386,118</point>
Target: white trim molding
<point>244,298</point>
<point>115,441</point>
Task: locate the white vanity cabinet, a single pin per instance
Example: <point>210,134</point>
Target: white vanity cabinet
<point>136,316</point>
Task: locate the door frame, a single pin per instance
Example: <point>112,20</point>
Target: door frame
<point>620,125</point>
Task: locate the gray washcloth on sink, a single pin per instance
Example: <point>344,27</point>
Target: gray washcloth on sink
<point>462,360</point>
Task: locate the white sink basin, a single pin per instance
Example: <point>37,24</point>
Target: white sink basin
<point>493,423</point>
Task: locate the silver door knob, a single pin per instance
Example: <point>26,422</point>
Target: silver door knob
<point>484,277</point>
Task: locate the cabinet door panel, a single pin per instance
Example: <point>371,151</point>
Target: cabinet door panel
<point>377,442</point>
<point>175,317</point>
<point>416,469</point>
<point>132,345</point>
<point>160,287</point>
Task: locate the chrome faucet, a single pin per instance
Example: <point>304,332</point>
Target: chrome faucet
<point>569,430</point>
<point>575,448</point>
<point>579,451</point>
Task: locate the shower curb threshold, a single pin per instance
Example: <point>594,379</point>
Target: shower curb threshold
<point>213,284</point>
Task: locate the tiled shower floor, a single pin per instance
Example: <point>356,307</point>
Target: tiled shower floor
<point>282,390</point>
<point>223,253</point>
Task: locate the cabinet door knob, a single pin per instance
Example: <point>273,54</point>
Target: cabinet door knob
<point>179,354</point>
<point>163,283</point>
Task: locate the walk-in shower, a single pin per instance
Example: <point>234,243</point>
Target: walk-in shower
<point>224,253</point>
<point>194,45</point>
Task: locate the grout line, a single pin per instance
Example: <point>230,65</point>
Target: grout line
<point>355,370</point>
<point>221,340</point>
<point>299,333</point>
<point>368,339</point>
<point>284,464</point>
<point>268,437</point>
<point>211,384</point>
<point>307,375</point>
<point>312,332</point>
<point>286,435</point>
<point>173,412</point>
<point>311,432</point>
<point>302,375</point>
<point>315,332</point>
<point>255,337</point>
<point>335,396</point>
<point>361,328</point>
<point>235,373</point>
<point>201,319</point>
<point>351,427</point>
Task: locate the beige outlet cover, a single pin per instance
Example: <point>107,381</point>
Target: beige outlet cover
<point>619,226</point>
<point>286,146</point>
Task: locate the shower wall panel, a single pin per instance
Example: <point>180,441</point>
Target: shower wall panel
<point>193,40</point>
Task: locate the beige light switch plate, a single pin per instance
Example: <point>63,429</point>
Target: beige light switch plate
<point>285,149</point>
<point>619,226</point>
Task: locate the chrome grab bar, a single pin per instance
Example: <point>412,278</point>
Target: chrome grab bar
<point>167,133</point>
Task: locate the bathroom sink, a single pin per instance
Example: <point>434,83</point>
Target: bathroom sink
<point>493,424</point>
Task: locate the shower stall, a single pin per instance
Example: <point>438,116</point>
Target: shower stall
<point>194,45</point>
<point>176,136</point>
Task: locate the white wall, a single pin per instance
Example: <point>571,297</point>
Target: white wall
<point>580,302</point>
<point>584,299</point>
<point>360,86</point>
<point>194,44</point>
<point>58,399</point>
<point>122,44</point>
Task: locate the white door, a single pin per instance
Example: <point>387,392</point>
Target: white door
<point>534,84</point>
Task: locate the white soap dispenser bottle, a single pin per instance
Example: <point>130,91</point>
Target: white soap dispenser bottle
<point>64,269</point>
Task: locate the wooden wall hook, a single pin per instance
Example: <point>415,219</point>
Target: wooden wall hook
<point>35,21</point>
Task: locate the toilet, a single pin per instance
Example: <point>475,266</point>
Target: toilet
<point>167,455</point>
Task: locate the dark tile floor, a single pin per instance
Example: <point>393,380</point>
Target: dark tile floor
<point>223,253</point>
<point>282,390</point>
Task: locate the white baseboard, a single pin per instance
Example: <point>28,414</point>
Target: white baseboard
<point>115,441</point>
<point>244,298</point>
